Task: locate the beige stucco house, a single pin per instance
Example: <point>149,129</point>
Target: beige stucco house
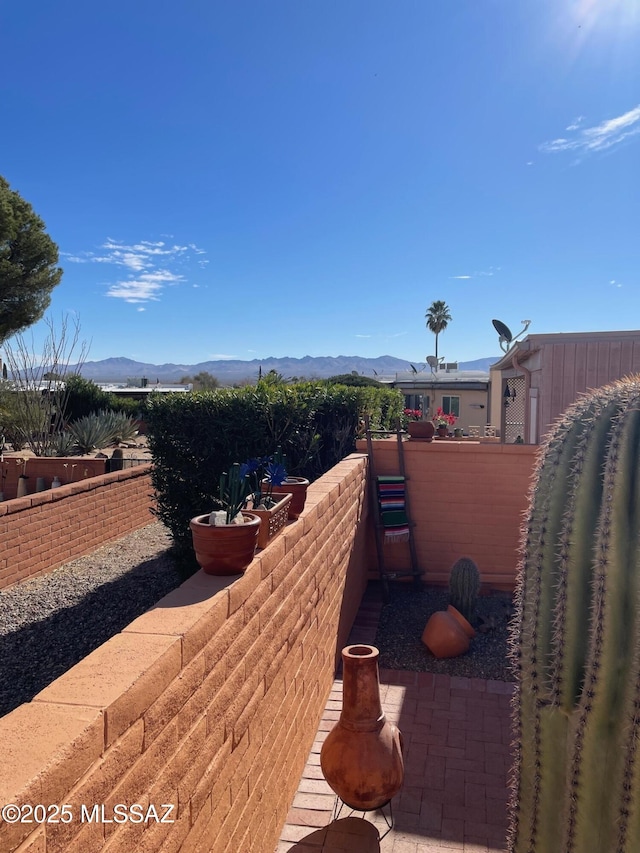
<point>464,393</point>
<point>540,376</point>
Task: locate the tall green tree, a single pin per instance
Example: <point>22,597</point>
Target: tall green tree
<point>28,264</point>
<point>438,318</point>
<point>203,381</point>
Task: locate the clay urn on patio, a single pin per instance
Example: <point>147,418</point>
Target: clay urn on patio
<point>362,756</point>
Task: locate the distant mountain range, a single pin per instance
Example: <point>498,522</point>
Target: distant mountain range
<point>229,371</point>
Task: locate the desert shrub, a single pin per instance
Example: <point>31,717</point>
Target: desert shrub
<point>355,380</point>
<point>10,425</point>
<point>84,398</point>
<point>195,437</point>
<point>127,405</point>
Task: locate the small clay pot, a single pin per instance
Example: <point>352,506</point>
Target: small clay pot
<point>447,633</point>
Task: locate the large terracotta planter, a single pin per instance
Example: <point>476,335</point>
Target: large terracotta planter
<point>362,756</point>
<point>421,430</point>
<point>225,550</point>
<point>297,487</point>
<point>447,633</point>
<point>272,520</point>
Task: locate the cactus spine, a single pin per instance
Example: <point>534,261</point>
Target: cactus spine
<point>464,586</point>
<point>576,639</point>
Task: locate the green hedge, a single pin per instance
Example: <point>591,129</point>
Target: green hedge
<point>195,437</point>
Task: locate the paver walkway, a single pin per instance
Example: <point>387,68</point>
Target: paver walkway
<point>456,746</point>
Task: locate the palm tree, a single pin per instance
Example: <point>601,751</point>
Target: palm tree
<point>438,318</point>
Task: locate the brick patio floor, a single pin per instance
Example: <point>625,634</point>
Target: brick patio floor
<point>456,746</point>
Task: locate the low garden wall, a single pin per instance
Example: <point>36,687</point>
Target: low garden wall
<point>466,499</point>
<point>42,531</point>
<point>209,702</point>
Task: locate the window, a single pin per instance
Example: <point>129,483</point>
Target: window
<point>451,406</point>
<point>416,401</point>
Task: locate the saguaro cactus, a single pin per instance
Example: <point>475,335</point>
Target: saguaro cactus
<point>464,586</point>
<point>576,641</point>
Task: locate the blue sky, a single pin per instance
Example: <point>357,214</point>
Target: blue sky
<point>304,177</point>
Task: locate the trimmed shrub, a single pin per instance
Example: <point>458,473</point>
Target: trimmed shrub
<point>195,437</point>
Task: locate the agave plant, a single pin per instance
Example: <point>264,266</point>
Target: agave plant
<point>122,426</point>
<point>91,432</point>
<point>60,444</point>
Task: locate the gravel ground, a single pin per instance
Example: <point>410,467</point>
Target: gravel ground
<point>50,623</point>
<point>403,619</point>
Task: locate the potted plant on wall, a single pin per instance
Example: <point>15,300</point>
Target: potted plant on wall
<point>264,474</point>
<point>225,540</point>
<point>296,486</point>
<point>418,428</point>
<point>443,421</point>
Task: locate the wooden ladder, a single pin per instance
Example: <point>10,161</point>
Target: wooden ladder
<point>383,532</point>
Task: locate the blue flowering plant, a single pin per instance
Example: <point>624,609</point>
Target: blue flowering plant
<point>263,473</point>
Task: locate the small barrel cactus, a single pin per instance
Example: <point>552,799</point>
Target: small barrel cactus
<point>464,586</point>
<point>576,638</point>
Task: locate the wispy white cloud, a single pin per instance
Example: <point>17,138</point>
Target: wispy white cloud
<point>575,124</point>
<point>615,283</point>
<point>600,137</point>
<point>221,356</point>
<point>383,337</point>
<point>152,266</point>
<point>476,274</point>
<point>143,288</point>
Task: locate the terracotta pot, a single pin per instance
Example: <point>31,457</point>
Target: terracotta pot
<point>442,431</point>
<point>362,756</point>
<point>447,633</point>
<point>272,520</point>
<point>225,550</point>
<point>423,430</point>
<point>296,486</point>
